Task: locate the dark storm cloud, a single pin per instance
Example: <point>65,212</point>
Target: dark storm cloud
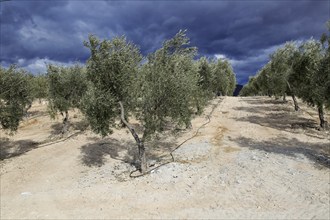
<point>35,32</point>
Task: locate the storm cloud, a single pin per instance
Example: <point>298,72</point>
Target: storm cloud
<point>245,32</point>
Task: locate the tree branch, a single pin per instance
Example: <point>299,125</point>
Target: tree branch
<point>122,117</point>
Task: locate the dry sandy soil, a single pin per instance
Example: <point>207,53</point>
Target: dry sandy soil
<point>254,159</point>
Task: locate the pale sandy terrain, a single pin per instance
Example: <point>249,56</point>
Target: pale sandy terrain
<point>255,159</point>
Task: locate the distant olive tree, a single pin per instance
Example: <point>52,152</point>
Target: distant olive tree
<point>251,88</point>
<point>231,79</point>
<point>15,97</point>
<point>67,85</point>
<point>223,78</point>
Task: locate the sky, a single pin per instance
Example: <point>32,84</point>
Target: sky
<point>246,32</point>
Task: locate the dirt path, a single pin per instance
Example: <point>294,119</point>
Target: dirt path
<point>248,162</point>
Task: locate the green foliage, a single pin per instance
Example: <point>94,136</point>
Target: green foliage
<point>205,92</point>
<point>15,97</point>
<point>100,110</point>
<point>325,64</point>
<point>112,74</point>
<point>205,74</point>
<point>264,83</point>
<point>232,79</point>
<point>170,84</point>
<point>282,62</point>
<point>308,73</point>
<point>39,86</point>
<point>67,85</point>
<point>250,88</point>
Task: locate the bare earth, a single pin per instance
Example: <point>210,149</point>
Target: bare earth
<point>255,159</point>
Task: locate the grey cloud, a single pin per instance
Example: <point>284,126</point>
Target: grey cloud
<point>241,30</point>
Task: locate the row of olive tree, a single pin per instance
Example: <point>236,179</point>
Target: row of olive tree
<point>168,85</point>
<point>297,70</point>
<point>62,86</point>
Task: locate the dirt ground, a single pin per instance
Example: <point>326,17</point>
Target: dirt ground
<point>254,159</point>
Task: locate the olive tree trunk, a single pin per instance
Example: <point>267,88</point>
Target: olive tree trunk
<point>321,116</point>
<point>65,127</point>
<point>296,106</point>
<point>141,148</point>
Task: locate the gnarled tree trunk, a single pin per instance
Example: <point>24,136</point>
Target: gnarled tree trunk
<point>141,148</point>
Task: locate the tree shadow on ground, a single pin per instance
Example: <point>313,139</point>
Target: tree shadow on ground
<point>33,113</point>
<point>281,121</point>
<point>266,105</point>
<point>9,149</point>
<point>265,101</point>
<point>81,125</point>
<point>95,154</point>
<point>260,109</point>
<point>281,117</point>
<point>316,152</point>
<point>56,128</point>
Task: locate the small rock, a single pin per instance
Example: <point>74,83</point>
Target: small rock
<point>257,184</point>
<point>152,163</point>
<point>26,194</point>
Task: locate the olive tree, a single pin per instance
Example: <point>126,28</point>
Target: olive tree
<point>324,65</point>
<point>170,84</point>
<point>205,74</point>
<point>112,73</point>
<point>223,78</point>
<point>264,81</point>
<point>311,76</point>
<point>282,62</point>
<point>161,89</point>
<point>15,97</point>
<point>232,79</point>
<point>66,88</point>
<point>251,88</point>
